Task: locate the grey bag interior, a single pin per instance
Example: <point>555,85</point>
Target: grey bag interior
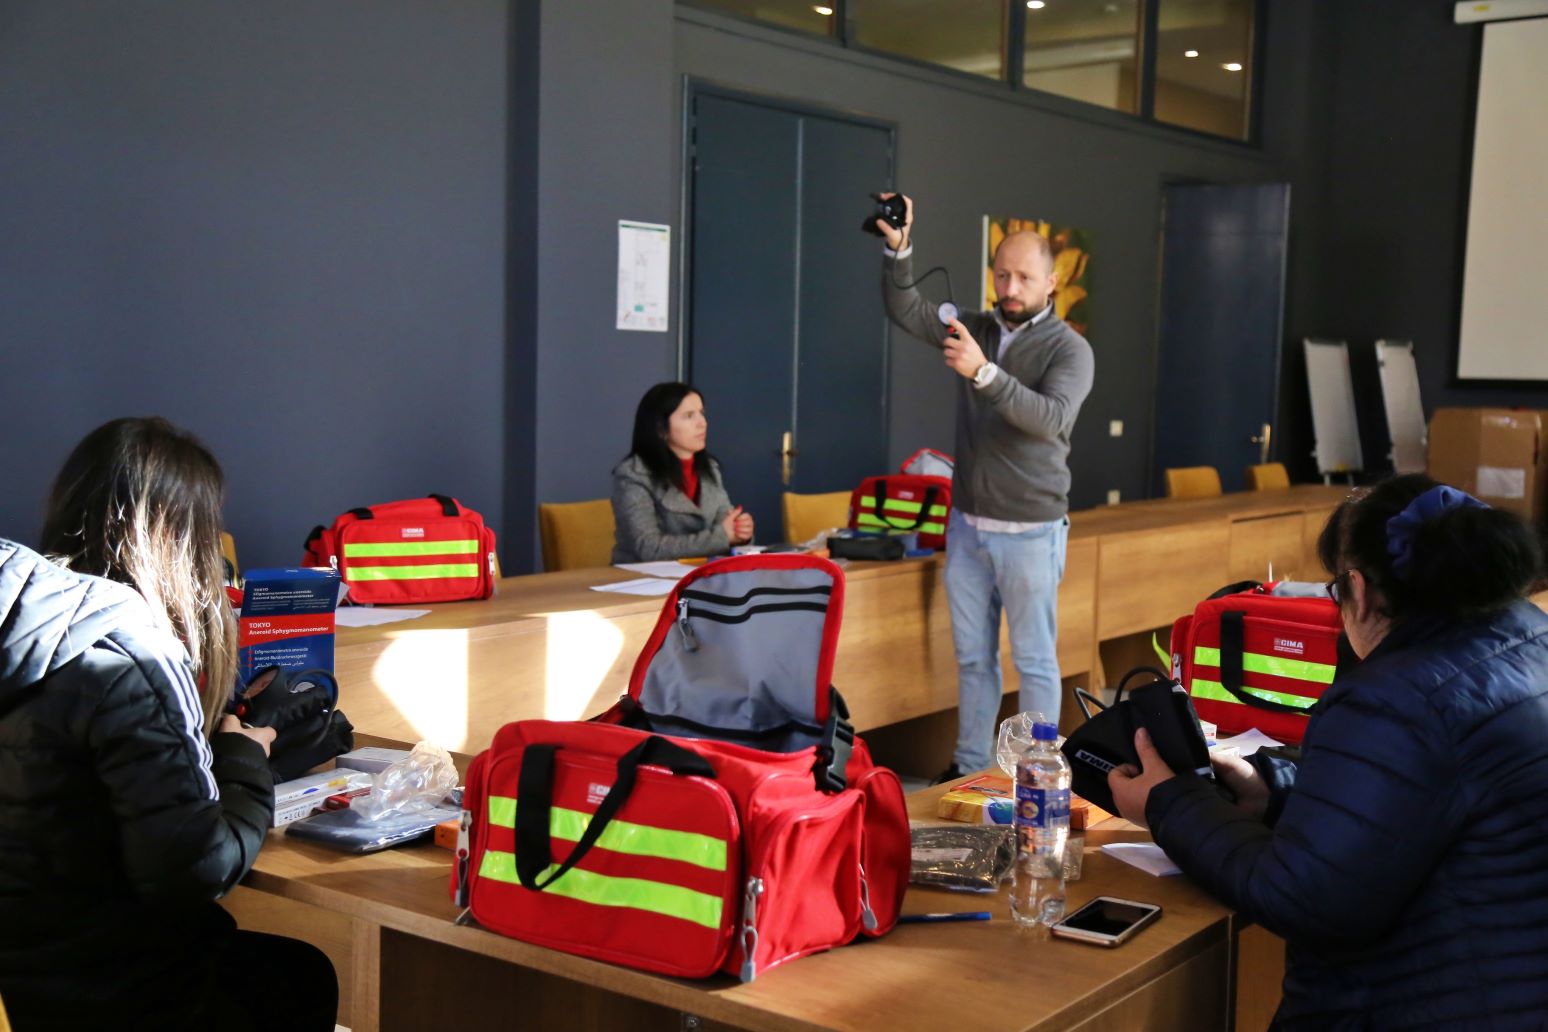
<point>741,660</point>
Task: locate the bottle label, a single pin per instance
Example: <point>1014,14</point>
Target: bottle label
<point>1042,807</point>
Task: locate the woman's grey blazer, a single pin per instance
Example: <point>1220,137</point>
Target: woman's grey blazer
<point>653,521</point>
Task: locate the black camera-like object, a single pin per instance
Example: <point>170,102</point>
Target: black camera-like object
<point>1106,739</point>
<point>893,211</point>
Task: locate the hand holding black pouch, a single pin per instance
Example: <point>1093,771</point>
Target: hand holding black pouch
<point>1106,739</point>
<point>302,708</point>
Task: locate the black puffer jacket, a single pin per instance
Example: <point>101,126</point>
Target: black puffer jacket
<point>1407,861</point>
<point>119,822</point>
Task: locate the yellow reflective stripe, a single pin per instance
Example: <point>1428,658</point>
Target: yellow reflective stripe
<point>1276,666</point>
<point>865,519</point>
<point>898,504</point>
<point>623,836</point>
<point>605,890</point>
<point>373,548</point>
<point>1203,689</point>
<point>1166,659</point>
<point>365,573</point>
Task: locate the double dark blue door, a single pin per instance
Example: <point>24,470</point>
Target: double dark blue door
<point>786,333</point>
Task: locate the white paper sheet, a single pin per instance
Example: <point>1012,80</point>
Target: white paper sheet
<point>670,569</point>
<point>643,586</point>
<point>365,616</point>
<point>644,275</point>
<point>1147,856</point>
<point>1248,742</point>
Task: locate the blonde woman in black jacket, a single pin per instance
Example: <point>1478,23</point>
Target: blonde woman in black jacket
<point>121,817</point>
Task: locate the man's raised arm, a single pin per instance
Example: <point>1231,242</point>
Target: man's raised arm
<point>905,305</point>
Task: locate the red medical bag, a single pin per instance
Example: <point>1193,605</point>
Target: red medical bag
<point>721,817</point>
<point>1254,658</point>
<point>432,549</point>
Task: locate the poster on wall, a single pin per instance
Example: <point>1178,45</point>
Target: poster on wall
<point>1071,255</point>
<point>644,275</point>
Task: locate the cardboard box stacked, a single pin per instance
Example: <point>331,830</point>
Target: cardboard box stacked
<point>1497,455</point>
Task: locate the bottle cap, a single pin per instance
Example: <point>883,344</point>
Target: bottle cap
<point>1045,732</point>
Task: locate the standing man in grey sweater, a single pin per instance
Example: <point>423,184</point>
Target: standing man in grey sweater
<point>1022,374</point>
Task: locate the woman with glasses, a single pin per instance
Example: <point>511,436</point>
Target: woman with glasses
<point>1404,858</point>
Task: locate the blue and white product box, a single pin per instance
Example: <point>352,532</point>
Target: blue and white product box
<point>287,620</point>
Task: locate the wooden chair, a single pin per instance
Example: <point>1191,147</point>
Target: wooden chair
<point>1270,476</point>
<point>807,515</point>
<point>228,549</point>
<point>576,535</point>
<point>1192,482</point>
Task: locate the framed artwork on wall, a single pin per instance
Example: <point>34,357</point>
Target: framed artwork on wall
<point>1072,265</point>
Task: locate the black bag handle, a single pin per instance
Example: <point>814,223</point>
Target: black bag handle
<point>924,510</point>
<point>1235,589</point>
<point>1232,636</point>
<point>1157,672</point>
<point>535,800</point>
<point>1086,700</point>
<point>448,503</point>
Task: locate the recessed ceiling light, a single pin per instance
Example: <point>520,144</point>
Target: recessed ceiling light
<point>824,11</point>
<point>1232,67</point>
<point>1190,53</point>
<point>1036,5</point>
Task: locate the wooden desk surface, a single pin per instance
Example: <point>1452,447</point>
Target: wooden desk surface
<point>979,975</point>
<point>1159,513</point>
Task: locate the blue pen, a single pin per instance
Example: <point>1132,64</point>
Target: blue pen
<point>964,915</point>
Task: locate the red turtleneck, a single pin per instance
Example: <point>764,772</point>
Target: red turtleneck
<point>690,480</point>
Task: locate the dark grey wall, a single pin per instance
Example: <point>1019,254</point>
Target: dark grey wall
<point>366,249</point>
<point>606,134</point>
<point>1402,141</point>
<point>966,149</point>
<point>276,224</point>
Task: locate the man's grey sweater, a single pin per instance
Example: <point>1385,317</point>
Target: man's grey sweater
<point>1013,436</point>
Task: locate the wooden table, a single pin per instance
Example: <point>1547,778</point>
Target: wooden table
<point>404,964</point>
<point>546,646</point>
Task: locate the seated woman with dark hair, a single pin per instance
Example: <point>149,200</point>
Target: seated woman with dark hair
<point>1404,858</point>
<point>668,498</point>
<point>128,803</point>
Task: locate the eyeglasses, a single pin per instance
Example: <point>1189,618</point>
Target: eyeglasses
<point>1335,587</point>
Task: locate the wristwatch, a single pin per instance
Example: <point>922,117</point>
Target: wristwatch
<point>984,375</point>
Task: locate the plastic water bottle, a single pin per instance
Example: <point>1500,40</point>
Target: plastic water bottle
<point>1042,826</point>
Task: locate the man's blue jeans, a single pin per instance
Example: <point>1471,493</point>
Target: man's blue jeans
<point>986,573</point>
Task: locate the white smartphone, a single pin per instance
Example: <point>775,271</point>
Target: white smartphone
<point>1107,921</point>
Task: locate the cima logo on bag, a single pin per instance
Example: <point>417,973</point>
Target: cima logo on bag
<point>412,532</point>
<point>1290,646</point>
<point>596,792</point>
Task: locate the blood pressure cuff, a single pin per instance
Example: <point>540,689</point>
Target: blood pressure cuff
<point>1106,739</point>
<point>302,708</point>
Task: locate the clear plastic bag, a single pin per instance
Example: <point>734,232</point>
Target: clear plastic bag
<point>420,781</point>
<point>1015,739</point>
<point>974,857</point>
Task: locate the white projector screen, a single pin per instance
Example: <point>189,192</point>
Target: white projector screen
<point>1504,298</point>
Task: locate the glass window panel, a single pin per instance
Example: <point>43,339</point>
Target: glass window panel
<point>815,18</point>
<point>965,35</point>
<point>1204,65</point>
<point>1085,49</point>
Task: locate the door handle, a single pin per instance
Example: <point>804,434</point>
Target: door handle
<point>785,453</point>
<point>1262,439</point>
